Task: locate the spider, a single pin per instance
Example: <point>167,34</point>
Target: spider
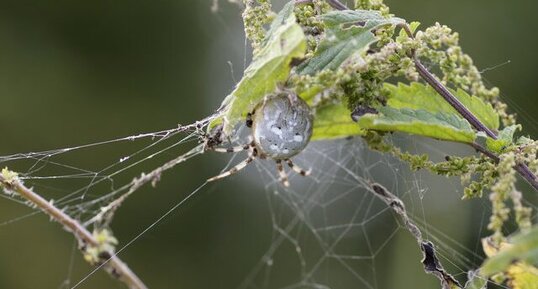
<point>281,127</point>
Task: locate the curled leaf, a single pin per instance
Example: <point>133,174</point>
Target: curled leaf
<point>522,248</point>
<point>516,260</point>
<point>285,41</point>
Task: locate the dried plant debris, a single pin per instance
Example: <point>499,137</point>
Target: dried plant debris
<point>430,260</point>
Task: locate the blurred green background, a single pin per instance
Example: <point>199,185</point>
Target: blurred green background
<point>77,72</point>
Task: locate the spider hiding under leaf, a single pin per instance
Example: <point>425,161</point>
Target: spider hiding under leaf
<point>281,127</point>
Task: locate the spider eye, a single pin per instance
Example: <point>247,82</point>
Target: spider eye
<point>282,128</point>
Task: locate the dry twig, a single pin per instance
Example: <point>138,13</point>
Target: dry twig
<point>112,264</point>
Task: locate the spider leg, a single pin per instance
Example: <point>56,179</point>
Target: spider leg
<point>236,149</point>
<point>237,168</point>
<point>282,173</point>
<point>298,169</point>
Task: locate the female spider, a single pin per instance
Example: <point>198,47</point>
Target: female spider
<point>281,128</point>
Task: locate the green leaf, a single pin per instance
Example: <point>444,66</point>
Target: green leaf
<point>522,248</point>
<point>505,138</point>
<point>438,125</point>
<point>334,121</point>
<point>271,66</point>
<point>419,109</point>
<point>413,26</point>
<point>523,140</point>
<point>421,96</point>
<point>347,33</point>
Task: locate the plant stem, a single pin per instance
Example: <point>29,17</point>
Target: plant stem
<point>451,99</point>
<point>117,268</point>
<point>337,5</point>
<point>527,174</point>
<point>523,170</point>
<point>300,2</point>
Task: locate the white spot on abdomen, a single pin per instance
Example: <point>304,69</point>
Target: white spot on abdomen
<point>276,131</point>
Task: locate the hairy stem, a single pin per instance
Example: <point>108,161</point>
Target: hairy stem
<point>523,170</point>
<point>451,99</point>
<point>117,268</point>
<point>337,5</point>
<point>333,3</point>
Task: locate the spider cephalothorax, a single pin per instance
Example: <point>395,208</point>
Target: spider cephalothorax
<point>281,128</point>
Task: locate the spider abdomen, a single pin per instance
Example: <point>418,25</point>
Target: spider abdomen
<point>282,126</point>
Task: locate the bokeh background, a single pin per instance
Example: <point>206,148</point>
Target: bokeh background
<point>77,72</point>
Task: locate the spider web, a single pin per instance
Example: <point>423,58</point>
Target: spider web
<point>343,236</point>
<point>327,230</point>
